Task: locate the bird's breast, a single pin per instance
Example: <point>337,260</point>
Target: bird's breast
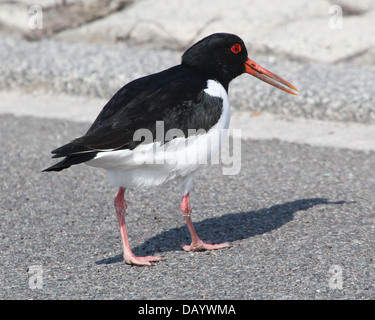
<point>215,89</point>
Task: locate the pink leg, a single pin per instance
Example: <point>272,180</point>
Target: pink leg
<point>196,243</point>
<point>129,257</point>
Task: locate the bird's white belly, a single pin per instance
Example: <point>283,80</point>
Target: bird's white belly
<point>152,164</point>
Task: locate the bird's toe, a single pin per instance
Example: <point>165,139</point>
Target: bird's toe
<point>142,261</point>
<point>203,246</point>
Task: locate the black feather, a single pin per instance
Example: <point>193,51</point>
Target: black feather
<point>71,160</point>
<point>175,96</point>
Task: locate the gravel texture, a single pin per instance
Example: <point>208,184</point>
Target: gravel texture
<point>293,213</point>
<point>329,92</point>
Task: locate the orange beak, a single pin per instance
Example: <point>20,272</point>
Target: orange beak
<point>263,74</point>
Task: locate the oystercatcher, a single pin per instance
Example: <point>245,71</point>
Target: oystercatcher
<point>191,101</point>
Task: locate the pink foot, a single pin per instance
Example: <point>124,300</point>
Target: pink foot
<point>202,246</point>
<point>141,261</point>
<point>196,243</point>
<point>129,257</point>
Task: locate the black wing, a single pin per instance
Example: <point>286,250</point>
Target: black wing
<point>175,96</point>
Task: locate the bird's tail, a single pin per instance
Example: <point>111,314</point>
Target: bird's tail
<point>71,160</point>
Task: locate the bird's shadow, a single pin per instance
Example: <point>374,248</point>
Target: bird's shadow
<point>226,228</point>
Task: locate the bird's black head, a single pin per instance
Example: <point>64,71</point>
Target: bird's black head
<point>223,56</point>
<point>220,56</point>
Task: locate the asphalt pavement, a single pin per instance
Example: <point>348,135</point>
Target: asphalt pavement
<point>299,219</point>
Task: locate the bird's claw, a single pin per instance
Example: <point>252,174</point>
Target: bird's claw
<point>203,246</point>
<point>141,261</point>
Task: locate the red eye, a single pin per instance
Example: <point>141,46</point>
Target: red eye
<point>236,48</point>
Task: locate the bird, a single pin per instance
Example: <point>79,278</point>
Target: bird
<point>128,139</point>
